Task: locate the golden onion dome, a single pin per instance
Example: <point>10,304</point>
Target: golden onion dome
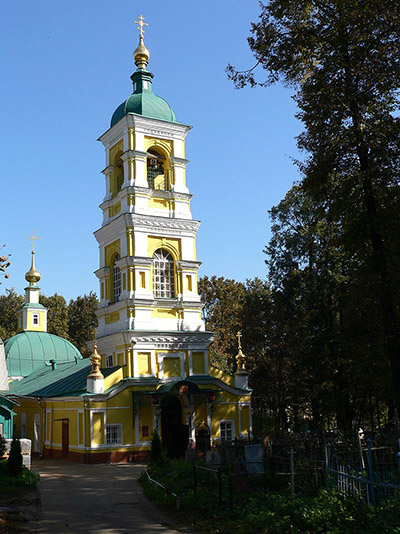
<point>141,55</point>
<point>32,276</point>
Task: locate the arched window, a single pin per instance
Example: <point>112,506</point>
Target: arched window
<point>156,175</point>
<point>116,279</point>
<point>163,274</point>
<point>118,175</point>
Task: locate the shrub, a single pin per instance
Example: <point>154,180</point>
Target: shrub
<point>157,453</point>
<point>3,447</point>
<point>15,458</point>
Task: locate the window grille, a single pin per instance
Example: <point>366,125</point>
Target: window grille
<point>226,430</point>
<point>114,434</point>
<point>109,360</point>
<point>116,273</point>
<point>163,274</point>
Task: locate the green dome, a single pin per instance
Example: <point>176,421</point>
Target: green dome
<point>30,351</point>
<point>143,101</point>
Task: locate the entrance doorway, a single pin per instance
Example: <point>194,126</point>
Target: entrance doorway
<point>65,439</point>
<point>175,435</point>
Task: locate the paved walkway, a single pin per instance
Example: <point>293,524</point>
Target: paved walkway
<point>96,499</point>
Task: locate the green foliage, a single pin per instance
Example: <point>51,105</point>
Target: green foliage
<point>3,447</point>
<point>334,255</point>
<point>277,513</point>
<point>25,479</point>
<point>10,303</point>
<point>57,316</point>
<point>157,453</point>
<point>15,458</point>
<point>82,321</point>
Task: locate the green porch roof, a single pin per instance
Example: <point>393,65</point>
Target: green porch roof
<point>68,379</point>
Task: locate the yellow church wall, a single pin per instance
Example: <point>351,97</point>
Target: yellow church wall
<point>170,244</point>
<point>36,328</point>
<point>97,428</point>
<point>146,420</point>
<point>199,366</point>
<point>144,363</point>
<point>162,313</point>
<point>244,419</point>
<point>201,414</point>
<point>172,367</point>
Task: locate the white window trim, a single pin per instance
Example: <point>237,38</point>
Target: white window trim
<point>121,441</point>
<point>180,355</point>
<point>233,428</point>
<point>34,316</point>
<point>108,356</point>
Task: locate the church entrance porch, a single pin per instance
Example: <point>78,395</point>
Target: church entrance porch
<point>175,435</point>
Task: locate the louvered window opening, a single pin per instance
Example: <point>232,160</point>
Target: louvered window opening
<point>116,279</point>
<point>163,275</point>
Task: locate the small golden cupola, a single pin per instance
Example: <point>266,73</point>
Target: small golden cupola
<point>95,379</point>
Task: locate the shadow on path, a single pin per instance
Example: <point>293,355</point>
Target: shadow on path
<point>96,499</point>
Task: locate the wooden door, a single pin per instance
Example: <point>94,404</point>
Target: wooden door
<point>65,439</point>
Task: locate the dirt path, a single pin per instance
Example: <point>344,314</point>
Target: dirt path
<point>96,499</point>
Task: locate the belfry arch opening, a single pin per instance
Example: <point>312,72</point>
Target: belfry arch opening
<point>158,172</point>
<point>117,175</point>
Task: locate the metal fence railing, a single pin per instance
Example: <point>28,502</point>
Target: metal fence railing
<point>374,477</point>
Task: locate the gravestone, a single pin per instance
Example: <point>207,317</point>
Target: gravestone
<point>254,459</point>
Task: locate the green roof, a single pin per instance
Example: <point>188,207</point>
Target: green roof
<point>68,379</point>
<point>143,101</point>
<point>27,352</point>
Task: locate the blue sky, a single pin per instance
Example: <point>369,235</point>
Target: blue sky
<point>66,67</point>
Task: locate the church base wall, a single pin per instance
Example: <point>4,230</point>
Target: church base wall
<point>99,457</point>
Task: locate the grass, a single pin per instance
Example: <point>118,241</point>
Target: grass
<point>277,513</point>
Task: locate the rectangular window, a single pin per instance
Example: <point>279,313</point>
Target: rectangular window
<point>124,281</point>
<point>226,430</point>
<point>35,319</point>
<point>114,434</point>
<point>109,360</point>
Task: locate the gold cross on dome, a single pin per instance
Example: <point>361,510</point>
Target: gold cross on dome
<point>141,24</point>
<point>33,237</point>
<point>239,336</point>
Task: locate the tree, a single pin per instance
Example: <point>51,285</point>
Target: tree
<point>223,301</point>
<point>14,460</point>
<point>10,303</point>
<point>57,315</point>
<point>4,264</point>
<point>341,58</point>
<point>82,320</point>
<point>3,446</point>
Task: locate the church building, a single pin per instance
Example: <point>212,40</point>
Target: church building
<point>150,369</point>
